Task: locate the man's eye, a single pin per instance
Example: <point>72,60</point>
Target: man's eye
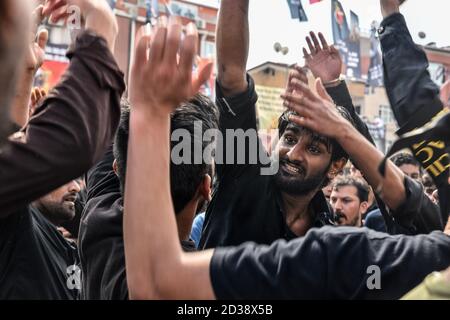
<point>314,150</point>
<point>289,139</point>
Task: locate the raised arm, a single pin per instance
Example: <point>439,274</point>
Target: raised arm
<point>414,97</point>
<point>232,46</point>
<point>325,63</point>
<point>156,266</point>
<point>76,122</point>
<point>34,58</point>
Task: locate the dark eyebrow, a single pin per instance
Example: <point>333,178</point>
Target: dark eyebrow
<point>315,138</point>
<point>295,129</point>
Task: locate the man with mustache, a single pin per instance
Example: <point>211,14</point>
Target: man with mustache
<point>349,200</point>
<point>59,205</point>
<point>326,263</point>
<point>248,206</point>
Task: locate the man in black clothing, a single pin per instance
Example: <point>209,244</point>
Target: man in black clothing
<point>414,97</point>
<point>101,230</point>
<point>248,206</point>
<point>69,133</point>
<point>59,205</point>
<point>329,262</point>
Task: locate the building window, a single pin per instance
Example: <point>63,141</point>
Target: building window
<point>209,49</point>
<point>386,114</point>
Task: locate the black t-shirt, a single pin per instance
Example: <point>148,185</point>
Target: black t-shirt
<point>329,263</point>
<point>246,205</point>
<point>36,262</point>
<point>101,235</point>
<point>101,244</point>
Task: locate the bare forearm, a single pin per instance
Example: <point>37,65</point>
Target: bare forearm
<point>368,158</point>
<point>150,232</point>
<point>20,106</point>
<point>156,266</point>
<point>389,7</point>
<point>232,45</point>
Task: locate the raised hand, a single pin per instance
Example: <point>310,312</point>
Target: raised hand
<point>298,73</point>
<point>160,80</point>
<point>323,60</point>
<point>96,14</point>
<point>37,96</point>
<point>33,59</point>
<point>36,52</point>
<point>314,111</point>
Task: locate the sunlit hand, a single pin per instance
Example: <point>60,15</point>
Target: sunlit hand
<point>160,80</point>
<point>323,60</point>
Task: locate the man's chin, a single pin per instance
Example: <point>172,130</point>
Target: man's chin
<point>295,185</point>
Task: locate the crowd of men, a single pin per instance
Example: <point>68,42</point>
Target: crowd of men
<point>95,204</point>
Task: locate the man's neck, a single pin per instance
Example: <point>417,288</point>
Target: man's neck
<point>185,219</point>
<point>299,217</point>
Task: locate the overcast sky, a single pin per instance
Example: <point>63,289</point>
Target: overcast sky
<point>270,22</point>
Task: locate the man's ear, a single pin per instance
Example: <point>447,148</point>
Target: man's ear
<point>336,168</point>
<point>364,206</point>
<point>115,168</point>
<point>205,187</point>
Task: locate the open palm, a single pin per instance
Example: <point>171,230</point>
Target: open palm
<point>324,61</point>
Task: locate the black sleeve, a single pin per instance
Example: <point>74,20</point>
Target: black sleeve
<point>70,131</point>
<point>101,178</point>
<point>418,214</point>
<point>414,97</point>
<point>329,263</point>
<point>236,112</point>
<point>341,97</point>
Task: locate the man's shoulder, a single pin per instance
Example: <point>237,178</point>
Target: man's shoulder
<point>102,215</point>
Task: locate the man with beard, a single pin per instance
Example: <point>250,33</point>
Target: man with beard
<point>66,136</point>
<point>328,263</point>
<point>248,206</point>
<point>349,200</point>
<point>59,205</point>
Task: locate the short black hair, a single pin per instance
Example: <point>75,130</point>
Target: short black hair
<point>361,186</point>
<point>184,178</point>
<point>337,152</point>
<point>402,158</point>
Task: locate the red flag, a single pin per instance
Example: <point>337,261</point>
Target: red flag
<point>314,1</point>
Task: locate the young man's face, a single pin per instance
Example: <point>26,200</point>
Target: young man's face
<point>411,171</point>
<point>304,161</point>
<point>347,206</point>
<point>59,205</point>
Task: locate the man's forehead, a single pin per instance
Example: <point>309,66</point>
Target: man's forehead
<point>301,131</point>
<point>344,190</point>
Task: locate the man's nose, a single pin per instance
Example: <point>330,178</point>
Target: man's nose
<point>296,153</point>
<point>74,186</point>
<point>338,205</point>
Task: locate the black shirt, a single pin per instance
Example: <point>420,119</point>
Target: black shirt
<point>101,244</point>
<point>67,135</point>
<point>329,263</point>
<point>246,205</point>
<point>34,259</point>
<point>101,235</point>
